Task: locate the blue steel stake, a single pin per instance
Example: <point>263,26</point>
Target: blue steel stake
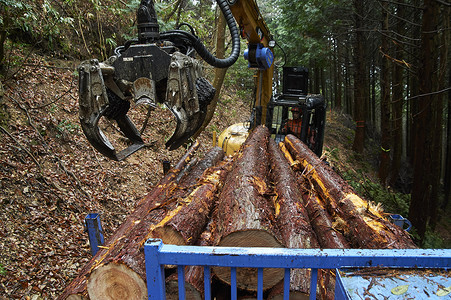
<point>95,232</point>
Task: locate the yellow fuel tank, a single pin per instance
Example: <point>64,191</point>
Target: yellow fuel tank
<point>231,139</point>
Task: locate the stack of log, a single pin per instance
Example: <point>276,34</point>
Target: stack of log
<point>266,195</point>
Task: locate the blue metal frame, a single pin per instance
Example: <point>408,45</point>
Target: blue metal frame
<point>157,255</point>
<point>95,232</point>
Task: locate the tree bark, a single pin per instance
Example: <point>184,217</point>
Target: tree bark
<point>184,224</point>
<point>359,79</point>
<point>322,223</point>
<point>245,216</point>
<point>384,165</point>
<point>423,157</point>
<point>78,287</point>
<point>364,226</point>
<point>398,100</point>
<point>194,275</point>
<point>126,260</point>
<point>291,216</point>
<point>447,182</point>
<point>194,284</point>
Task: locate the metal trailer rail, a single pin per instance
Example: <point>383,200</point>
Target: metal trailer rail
<point>157,255</point>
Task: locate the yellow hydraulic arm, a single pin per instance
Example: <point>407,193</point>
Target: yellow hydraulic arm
<point>253,28</point>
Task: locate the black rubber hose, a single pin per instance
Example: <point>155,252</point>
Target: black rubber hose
<point>202,50</point>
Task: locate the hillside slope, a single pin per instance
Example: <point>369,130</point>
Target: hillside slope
<point>51,178</point>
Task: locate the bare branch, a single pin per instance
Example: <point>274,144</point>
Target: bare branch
<point>22,147</point>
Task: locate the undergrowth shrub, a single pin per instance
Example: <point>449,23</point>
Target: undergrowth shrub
<point>393,202</point>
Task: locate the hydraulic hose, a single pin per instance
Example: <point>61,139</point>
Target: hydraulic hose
<point>200,47</point>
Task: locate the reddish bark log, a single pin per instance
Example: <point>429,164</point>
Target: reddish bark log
<point>194,275</point>
<point>364,226</point>
<point>190,177</point>
<point>194,284</point>
<point>328,238</point>
<point>128,250</point>
<point>291,217</point>
<point>78,287</point>
<point>322,224</point>
<point>184,224</point>
<point>245,216</point>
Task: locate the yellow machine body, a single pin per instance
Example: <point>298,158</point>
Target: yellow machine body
<point>231,139</point>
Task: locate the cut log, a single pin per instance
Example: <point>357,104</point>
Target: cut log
<point>365,226</point>
<point>128,251</point>
<point>291,217</point>
<point>194,284</point>
<point>328,238</point>
<point>194,275</point>
<point>78,287</point>
<point>295,165</point>
<point>190,179</point>
<point>322,223</point>
<point>184,224</point>
<point>245,215</point>
<point>276,292</point>
<point>188,182</point>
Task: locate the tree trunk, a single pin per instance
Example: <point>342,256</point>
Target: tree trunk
<point>322,223</point>
<point>398,100</point>
<point>363,225</point>
<point>194,284</point>
<point>359,79</point>
<point>219,72</point>
<point>422,182</point>
<point>245,216</point>
<point>339,83</point>
<point>447,182</point>
<point>439,80</point>
<point>384,165</point>
<point>126,258</point>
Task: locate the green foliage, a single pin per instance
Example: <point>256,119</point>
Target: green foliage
<point>432,240</point>
<point>304,29</point>
<point>395,203</point>
<point>239,78</point>
<point>2,270</point>
<point>66,126</point>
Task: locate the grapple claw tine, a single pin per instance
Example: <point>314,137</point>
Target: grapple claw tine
<point>187,96</point>
<point>94,104</point>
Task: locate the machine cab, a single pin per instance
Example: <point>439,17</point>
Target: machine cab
<point>296,112</point>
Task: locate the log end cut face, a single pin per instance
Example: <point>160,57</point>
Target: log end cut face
<point>247,277</point>
<point>116,281</point>
<point>168,235</point>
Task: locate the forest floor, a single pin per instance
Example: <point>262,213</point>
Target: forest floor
<point>51,178</point>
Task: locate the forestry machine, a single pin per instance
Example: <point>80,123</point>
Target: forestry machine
<point>160,67</point>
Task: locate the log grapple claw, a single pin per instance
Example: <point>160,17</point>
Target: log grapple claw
<point>145,73</point>
<point>187,96</point>
<point>95,102</point>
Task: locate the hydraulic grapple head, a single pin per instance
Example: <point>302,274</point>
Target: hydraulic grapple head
<point>144,71</point>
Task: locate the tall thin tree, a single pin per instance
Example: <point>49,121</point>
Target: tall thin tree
<point>359,78</point>
<point>419,210</point>
<point>385,100</point>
